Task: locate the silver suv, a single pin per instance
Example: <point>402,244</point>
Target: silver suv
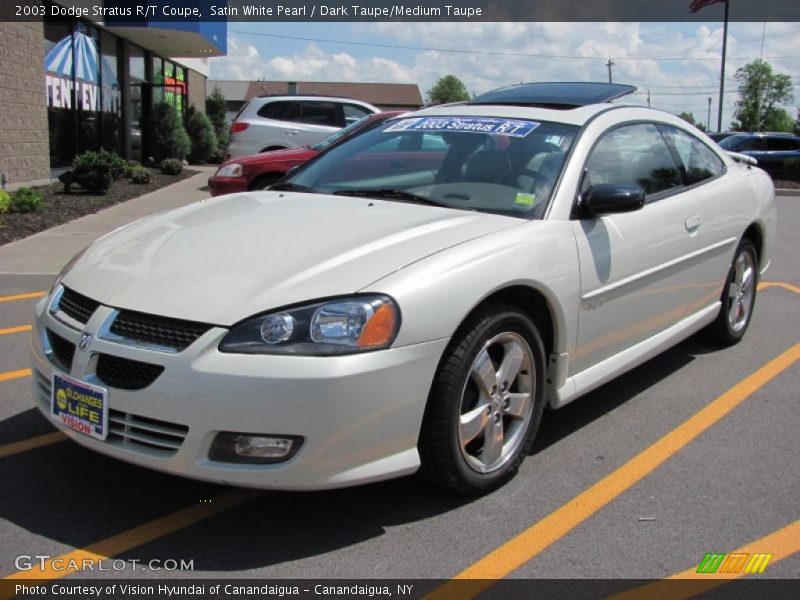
<point>277,122</point>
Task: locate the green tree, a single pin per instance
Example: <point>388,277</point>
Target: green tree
<point>201,134</point>
<point>762,94</point>
<point>216,109</point>
<point>448,89</point>
<point>168,137</point>
<point>689,118</point>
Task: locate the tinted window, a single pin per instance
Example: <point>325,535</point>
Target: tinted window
<point>697,160</point>
<point>633,155</point>
<point>353,113</point>
<point>273,110</point>
<point>781,144</point>
<point>753,144</point>
<point>321,113</point>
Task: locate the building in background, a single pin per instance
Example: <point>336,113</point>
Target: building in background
<point>386,96</point>
<point>72,86</point>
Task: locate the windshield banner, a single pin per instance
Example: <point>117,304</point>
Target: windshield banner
<point>510,127</point>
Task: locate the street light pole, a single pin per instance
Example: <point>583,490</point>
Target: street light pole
<point>722,70</point>
<point>708,120</point>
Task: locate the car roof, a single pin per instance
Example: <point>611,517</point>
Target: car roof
<point>576,116</point>
<point>285,97</point>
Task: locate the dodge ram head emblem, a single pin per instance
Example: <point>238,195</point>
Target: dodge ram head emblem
<point>86,341</point>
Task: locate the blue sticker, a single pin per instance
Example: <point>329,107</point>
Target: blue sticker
<point>509,127</point>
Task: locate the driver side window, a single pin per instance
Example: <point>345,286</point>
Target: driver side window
<point>633,155</point>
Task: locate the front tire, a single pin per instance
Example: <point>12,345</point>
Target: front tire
<point>738,297</point>
<point>486,402</point>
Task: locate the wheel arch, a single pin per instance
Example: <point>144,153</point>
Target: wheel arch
<point>755,233</point>
<point>273,148</point>
<point>263,177</point>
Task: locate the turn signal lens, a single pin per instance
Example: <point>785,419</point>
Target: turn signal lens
<point>380,329</point>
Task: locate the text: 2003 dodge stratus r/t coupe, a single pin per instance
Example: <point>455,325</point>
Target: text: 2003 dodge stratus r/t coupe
<point>410,299</point>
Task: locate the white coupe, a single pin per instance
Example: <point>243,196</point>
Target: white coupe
<point>411,299</point>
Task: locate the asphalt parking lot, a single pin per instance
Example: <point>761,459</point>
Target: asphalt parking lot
<point>604,494</point>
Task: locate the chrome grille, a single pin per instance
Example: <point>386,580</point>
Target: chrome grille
<point>142,433</point>
<point>77,306</point>
<point>126,374</point>
<point>63,351</point>
<point>159,331</point>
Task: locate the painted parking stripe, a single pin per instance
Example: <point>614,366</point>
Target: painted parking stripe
<point>9,375</point>
<point>135,537</point>
<point>31,443</point>
<point>517,551</point>
<point>28,296</point>
<point>19,329</point>
<point>781,284</point>
<point>780,544</point>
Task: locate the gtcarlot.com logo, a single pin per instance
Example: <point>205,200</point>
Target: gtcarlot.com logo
<point>27,562</point>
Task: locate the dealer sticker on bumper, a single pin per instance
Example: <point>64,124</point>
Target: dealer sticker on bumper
<point>80,406</point>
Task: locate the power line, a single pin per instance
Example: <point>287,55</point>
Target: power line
<point>477,52</point>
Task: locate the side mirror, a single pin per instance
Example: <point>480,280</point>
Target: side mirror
<point>612,198</point>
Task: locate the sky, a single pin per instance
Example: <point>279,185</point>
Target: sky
<point>678,62</point>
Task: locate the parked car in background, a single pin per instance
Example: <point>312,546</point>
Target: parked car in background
<point>411,299</point>
<point>271,123</point>
<point>771,150</point>
<point>719,136</point>
<point>259,171</point>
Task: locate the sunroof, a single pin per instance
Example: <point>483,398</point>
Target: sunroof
<point>558,94</point>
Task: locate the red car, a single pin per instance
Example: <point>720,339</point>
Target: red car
<point>259,171</point>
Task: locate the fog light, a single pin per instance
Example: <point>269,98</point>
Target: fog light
<point>254,448</point>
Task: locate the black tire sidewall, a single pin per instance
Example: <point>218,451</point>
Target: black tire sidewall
<point>486,325</point>
<point>728,334</point>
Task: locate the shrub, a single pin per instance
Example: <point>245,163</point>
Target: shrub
<point>130,167</point>
<point>217,156</point>
<point>140,175</point>
<point>25,200</point>
<point>791,169</point>
<point>5,201</point>
<point>168,136</point>
<point>171,166</point>
<point>94,171</point>
<point>201,134</point>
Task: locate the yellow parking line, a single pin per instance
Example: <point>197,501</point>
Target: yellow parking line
<point>781,284</point>
<point>19,329</point>
<point>31,443</point>
<point>28,296</point>
<point>781,544</point>
<point>528,544</point>
<point>127,540</point>
<point>8,375</point>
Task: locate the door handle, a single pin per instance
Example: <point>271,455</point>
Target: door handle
<point>291,131</point>
<point>693,223</point>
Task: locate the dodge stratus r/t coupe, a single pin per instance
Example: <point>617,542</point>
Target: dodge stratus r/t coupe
<point>409,300</point>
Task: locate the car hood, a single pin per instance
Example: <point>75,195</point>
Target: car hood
<point>275,156</point>
<point>225,259</point>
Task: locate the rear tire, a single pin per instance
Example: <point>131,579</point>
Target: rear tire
<point>485,404</point>
<point>738,297</point>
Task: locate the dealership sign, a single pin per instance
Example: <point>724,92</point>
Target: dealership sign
<point>72,79</point>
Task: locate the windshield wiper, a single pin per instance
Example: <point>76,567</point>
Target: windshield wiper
<point>288,186</point>
<point>388,193</point>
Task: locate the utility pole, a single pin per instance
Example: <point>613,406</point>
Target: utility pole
<point>722,73</point>
<point>708,120</point>
<point>610,64</point>
<point>648,99</point>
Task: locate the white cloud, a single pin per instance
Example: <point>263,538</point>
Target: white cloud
<point>509,51</point>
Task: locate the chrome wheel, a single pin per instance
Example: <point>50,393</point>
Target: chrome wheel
<point>741,291</point>
<point>497,402</point>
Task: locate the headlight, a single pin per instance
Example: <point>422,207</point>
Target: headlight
<point>333,327</point>
<point>231,170</point>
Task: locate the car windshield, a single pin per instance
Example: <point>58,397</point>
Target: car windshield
<point>342,133</point>
<point>487,164</point>
<point>729,143</point>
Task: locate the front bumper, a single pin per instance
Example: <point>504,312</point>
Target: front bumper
<point>359,415</point>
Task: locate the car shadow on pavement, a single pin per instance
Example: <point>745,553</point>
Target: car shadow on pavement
<point>558,424</point>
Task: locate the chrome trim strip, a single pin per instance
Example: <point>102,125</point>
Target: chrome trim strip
<point>656,269</point>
